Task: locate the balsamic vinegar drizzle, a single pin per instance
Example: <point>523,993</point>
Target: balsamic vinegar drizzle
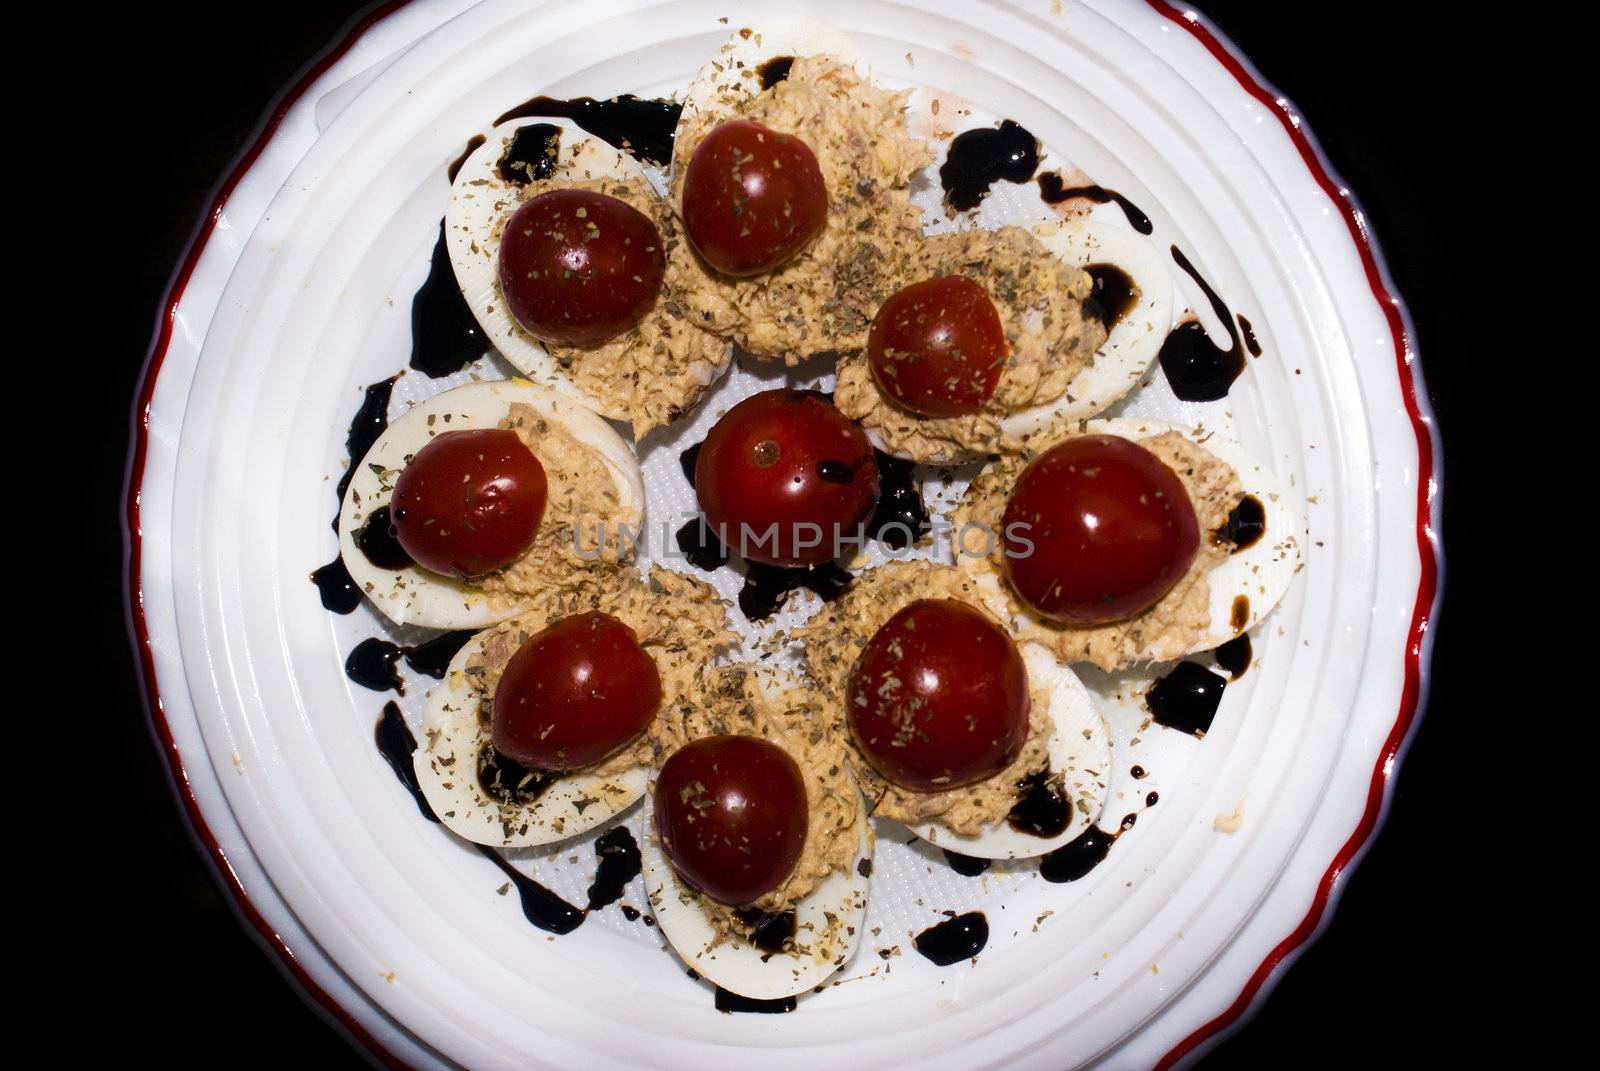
<point>641,128</point>
<point>1246,524</point>
<point>620,863</point>
<point>955,939</point>
<point>1078,856</point>
<point>378,540</point>
<point>1054,190</point>
<point>965,865</point>
<point>1234,656</point>
<point>1198,369</point>
<point>1251,343</point>
<point>1187,698</point>
<point>774,71</point>
<point>370,421</point>
<point>733,1002</point>
<point>532,154</point>
<point>511,782</point>
<point>979,158</point>
<point>336,587</point>
<point>373,662</point>
<point>1044,810</point>
<point>445,336</point>
<point>899,519</point>
<point>770,931</point>
<point>540,906</point>
<point>1114,294</point>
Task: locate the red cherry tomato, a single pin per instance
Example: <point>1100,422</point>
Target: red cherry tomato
<point>574,694</point>
<point>1109,531</point>
<point>469,502</point>
<point>784,476</point>
<point>937,347</point>
<point>752,198</point>
<point>579,268</point>
<point>939,697</point>
<point>731,813</point>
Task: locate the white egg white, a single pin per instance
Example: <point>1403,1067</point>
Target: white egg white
<point>413,595</point>
<point>730,76</point>
<point>1261,572</point>
<point>446,763</point>
<point>740,967</point>
<point>1133,341</point>
<point>480,202</point>
<point>1080,751</point>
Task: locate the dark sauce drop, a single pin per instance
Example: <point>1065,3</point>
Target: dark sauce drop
<point>966,865</point>
<point>770,931</point>
<point>954,940</point>
<point>1198,369</point>
<point>1246,524</point>
<point>473,144</point>
<point>1114,295</point>
<point>630,913</point>
<point>733,1002</point>
<point>540,906</point>
<point>774,71</point>
<point>432,657</point>
<point>532,154</point>
<point>1187,698</point>
<point>511,782</point>
<point>619,859</point>
<point>700,546</point>
<point>1054,190</point>
<point>378,540</point>
<point>1137,773</point>
<point>1234,656</point>
<point>372,665</point>
<point>1251,343</point>
<point>688,460</point>
<point>396,744</point>
<point>336,587</point>
<point>767,586</point>
<point>901,517</point>
<point>370,421</point>
<point>445,336</point>
<point>1078,856</point>
<point>1239,614</point>
<point>1044,810</point>
<point>1128,821</point>
<point>641,128</point>
<point>1152,798</point>
<point>980,158</point>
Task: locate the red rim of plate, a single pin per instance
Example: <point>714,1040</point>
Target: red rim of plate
<point>1416,653</point>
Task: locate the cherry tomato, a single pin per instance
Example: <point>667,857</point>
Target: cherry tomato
<point>939,697</point>
<point>469,502</point>
<point>574,694</point>
<point>937,347</point>
<point>579,268</point>
<point>784,476</point>
<point>731,813</point>
<point>752,198</point>
<point>1109,531</point>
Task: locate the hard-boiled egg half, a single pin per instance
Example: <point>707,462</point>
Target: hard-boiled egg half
<point>1079,746</point>
<point>1135,334</point>
<point>1101,547</point>
<point>448,762</point>
<point>579,286</point>
<point>462,439</point>
<point>757,856</point>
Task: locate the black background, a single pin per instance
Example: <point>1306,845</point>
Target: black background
<point>1395,943</point>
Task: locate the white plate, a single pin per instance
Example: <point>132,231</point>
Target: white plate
<point>397,927</point>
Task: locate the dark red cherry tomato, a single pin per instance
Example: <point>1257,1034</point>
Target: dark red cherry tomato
<point>939,697</point>
<point>937,347</point>
<point>784,476</point>
<point>469,502</point>
<point>731,813</point>
<point>1109,531</point>
<point>752,198</point>
<point>579,268</point>
<point>575,693</point>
